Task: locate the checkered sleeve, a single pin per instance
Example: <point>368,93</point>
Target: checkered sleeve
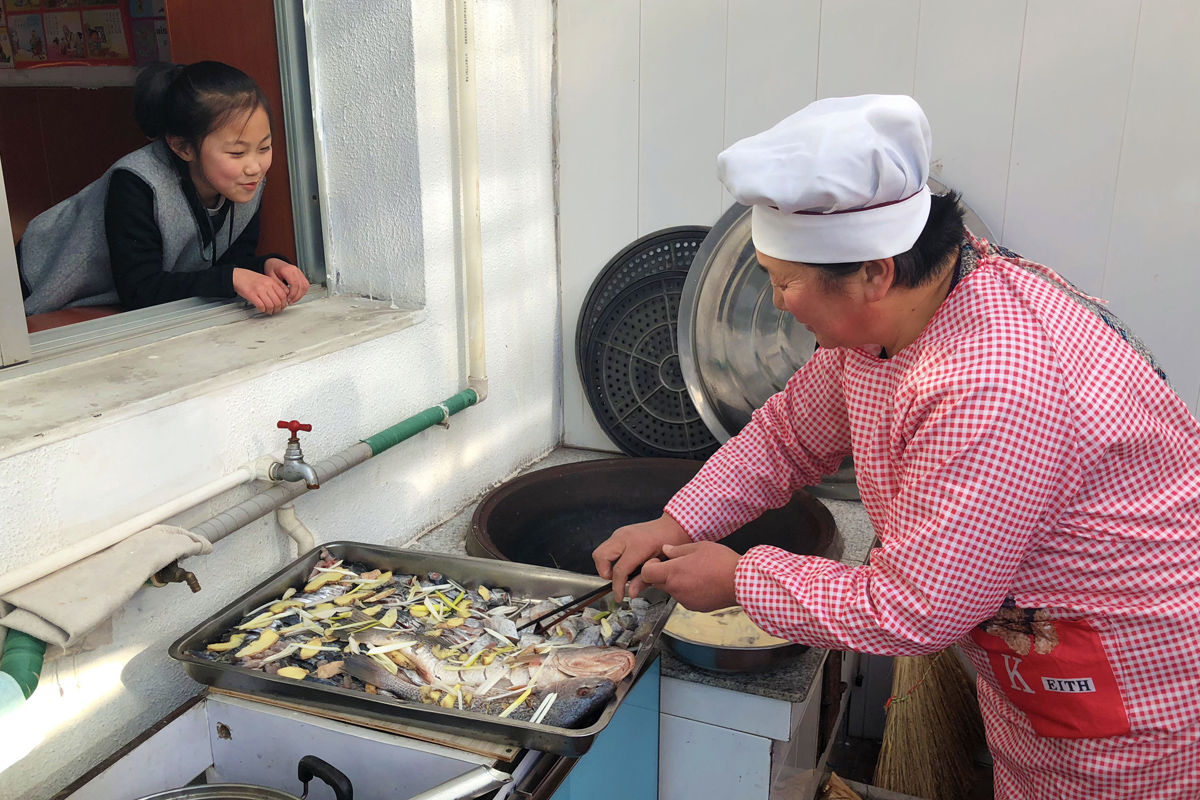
<point>799,434</point>
<point>984,450</point>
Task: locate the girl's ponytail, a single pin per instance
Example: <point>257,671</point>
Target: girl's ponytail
<point>150,93</point>
<point>191,101</point>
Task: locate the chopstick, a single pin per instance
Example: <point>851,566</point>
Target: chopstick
<point>540,623</point>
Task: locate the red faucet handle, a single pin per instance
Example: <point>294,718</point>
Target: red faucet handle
<point>293,426</point>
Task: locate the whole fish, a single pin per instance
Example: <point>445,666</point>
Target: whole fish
<point>576,700</point>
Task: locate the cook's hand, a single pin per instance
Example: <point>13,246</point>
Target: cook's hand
<point>290,274</point>
<point>700,575</point>
<point>266,293</point>
<point>629,548</point>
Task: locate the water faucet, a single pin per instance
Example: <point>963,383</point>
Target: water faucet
<point>294,467</point>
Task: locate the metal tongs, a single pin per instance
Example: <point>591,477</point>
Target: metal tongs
<point>547,620</point>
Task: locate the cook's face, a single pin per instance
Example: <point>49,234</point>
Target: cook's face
<point>829,312</point>
<point>234,158</point>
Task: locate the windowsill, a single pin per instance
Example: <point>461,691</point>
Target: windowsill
<point>66,401</point>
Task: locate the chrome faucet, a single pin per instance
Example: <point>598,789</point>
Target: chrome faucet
<point>294,467</point>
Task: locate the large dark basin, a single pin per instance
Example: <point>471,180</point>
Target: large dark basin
<point>555,517</point>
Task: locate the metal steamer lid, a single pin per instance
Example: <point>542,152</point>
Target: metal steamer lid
<point>735,348</point>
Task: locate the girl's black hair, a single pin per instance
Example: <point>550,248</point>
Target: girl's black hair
<point>941,236</point>
<point>192,100</point>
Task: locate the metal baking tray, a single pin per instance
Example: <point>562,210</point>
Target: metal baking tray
<point>518,578</point>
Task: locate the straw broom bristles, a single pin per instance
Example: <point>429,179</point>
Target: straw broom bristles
<point>933,729</point>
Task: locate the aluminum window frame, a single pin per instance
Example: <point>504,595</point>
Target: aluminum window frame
<point>22,353</point>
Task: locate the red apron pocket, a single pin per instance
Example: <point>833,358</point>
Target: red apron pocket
<point>1056,672</point>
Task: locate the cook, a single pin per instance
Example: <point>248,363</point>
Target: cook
<point>1032,478</point>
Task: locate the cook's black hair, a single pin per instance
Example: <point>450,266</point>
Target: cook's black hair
<point>192,100</point>
<point>920,264</point>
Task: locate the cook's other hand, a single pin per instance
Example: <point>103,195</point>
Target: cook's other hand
<point>290,274</point>
<point>266,293</point>
<point>630,547</point>
<point>700,575</point>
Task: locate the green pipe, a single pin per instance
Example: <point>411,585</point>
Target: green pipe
<point>410,427</point>
<point>22,659</point>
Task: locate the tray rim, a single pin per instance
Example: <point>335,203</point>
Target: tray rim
<point>561,741</point>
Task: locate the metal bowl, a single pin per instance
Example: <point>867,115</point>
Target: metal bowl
<point>725,658</point>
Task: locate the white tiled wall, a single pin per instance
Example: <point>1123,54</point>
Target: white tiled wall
<point>1069,126</point>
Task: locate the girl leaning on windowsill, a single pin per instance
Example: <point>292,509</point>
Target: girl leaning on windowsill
<point>177,218</point>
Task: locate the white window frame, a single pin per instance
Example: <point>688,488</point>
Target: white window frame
<point>22,353</point>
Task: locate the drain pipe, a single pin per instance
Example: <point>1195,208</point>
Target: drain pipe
<point>467,124</point>
<point>285,515</point>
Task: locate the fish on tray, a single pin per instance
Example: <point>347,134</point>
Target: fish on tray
<point>433,640</point>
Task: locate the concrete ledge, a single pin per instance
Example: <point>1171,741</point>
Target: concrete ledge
<point>60,403</point>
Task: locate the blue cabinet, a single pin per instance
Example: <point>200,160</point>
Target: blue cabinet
<point>623,760</point>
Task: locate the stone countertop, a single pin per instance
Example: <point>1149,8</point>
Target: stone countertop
<point>789,682</point>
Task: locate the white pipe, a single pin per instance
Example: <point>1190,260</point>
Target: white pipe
<point>468,165</point>
<point>77,551</point>
<point>285,515</point>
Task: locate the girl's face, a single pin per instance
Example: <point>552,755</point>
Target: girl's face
<point>233,159</point>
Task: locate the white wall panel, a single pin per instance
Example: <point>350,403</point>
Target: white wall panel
<point>867,46</point>
<point>598,62</point>
<point>1071,98</point>
<point>682,112</point>
<point>1151,277</point>
<point>966,80</point>
<point>771,65</point>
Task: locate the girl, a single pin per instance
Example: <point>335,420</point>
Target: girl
<point>177,218</point>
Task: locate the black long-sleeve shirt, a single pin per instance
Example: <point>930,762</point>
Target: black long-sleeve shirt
<point>135,247</point>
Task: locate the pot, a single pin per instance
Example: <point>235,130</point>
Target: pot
<point>308,768</point>
<point>558,515</point>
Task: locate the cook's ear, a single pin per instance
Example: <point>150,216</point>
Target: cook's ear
<point>878,276</point>
<point>181,147</point>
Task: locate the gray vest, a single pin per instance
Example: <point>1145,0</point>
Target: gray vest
<point>64,251</point>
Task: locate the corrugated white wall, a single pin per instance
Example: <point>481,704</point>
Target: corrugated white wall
<point>369,93</point>
<point>1068,125</point>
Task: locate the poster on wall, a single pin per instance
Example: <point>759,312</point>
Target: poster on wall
<point>26,39</point>
<point>76,32</point>
<point>150,41</point>
<point>64,36</point>
<point>6,59</point>
<point>107,37</point>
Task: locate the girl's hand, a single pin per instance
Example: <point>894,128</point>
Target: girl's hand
<point>700,575</point>
<point>290,274</point>
<point>266,293</point>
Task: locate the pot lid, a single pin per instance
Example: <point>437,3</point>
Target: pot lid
<point>735,348</point>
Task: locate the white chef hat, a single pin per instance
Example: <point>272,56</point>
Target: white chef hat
<point>841,180</point>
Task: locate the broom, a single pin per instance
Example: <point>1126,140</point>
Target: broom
<point>933,729</point>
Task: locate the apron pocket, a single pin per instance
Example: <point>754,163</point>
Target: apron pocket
<point>1056,673</point>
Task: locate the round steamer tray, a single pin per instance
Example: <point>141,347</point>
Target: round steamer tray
<point>632,376</point>
<point>735,348</point>
<point>666,250</point>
